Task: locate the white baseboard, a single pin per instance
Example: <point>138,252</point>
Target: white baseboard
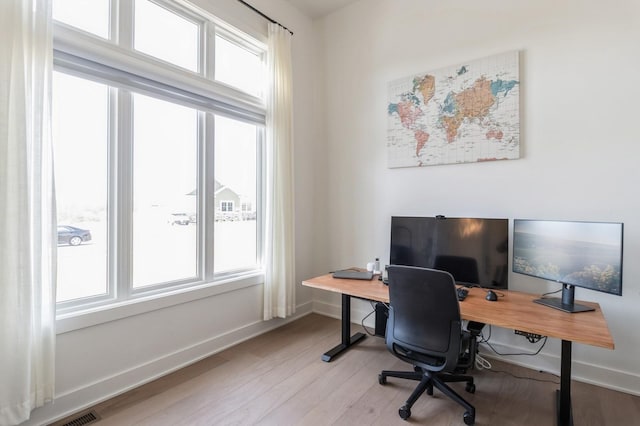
<point>598,375</point>
<point>581,371</point>
<point>84,397</point>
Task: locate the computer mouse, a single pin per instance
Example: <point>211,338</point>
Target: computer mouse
<point>491,296</point>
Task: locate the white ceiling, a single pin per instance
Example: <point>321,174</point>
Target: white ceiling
<point>318,8</point>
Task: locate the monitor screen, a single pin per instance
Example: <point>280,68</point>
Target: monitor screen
<point>581,254</point>
<point>474,250</point>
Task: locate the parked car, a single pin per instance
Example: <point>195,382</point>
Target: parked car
<point>179,219</point>
<point>72,235</point>
<point>227,216</point>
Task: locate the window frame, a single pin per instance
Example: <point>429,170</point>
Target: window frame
<point>125,70</point>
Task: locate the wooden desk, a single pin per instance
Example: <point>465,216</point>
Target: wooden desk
<point>514,310</point>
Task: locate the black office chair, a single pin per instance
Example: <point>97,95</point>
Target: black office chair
<point>425,329</point>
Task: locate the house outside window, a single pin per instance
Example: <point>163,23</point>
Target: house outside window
<point>144,132</point>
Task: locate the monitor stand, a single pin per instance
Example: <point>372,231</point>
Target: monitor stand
<point>566,303</point>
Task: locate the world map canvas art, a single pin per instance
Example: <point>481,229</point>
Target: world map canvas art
<point>459,114</point>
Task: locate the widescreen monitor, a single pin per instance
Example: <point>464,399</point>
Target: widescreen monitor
<point>575,254</point>
<point>474,250</point>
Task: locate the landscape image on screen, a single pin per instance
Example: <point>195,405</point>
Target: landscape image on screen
<point>578,253</point>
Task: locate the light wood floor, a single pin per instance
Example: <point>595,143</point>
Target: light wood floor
<point>279,379</point>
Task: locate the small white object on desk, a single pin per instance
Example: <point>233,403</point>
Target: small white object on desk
<point>376,266</point>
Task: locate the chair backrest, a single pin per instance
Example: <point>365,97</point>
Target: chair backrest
<point>424,317</point>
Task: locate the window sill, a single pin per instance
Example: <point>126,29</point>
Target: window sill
<point>82,319</point>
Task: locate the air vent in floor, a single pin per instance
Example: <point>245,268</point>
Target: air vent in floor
<point>84,419</point>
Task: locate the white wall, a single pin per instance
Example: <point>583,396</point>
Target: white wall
<point>99,361</point>
<point>579,140</point>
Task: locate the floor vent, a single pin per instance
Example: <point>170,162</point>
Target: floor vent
<point>84,419</point>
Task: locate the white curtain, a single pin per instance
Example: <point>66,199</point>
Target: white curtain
<point>279,288</point>
<point>27,210</point>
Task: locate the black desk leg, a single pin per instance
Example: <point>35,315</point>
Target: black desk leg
<point>565,417</point>
<point>347,340</point>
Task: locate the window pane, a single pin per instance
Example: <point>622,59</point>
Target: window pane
<point>235,231</point>
<point>161,33</point>
<point>165,170</point>
<point>80,142</point>
<point>238,67</point>
<point>91,16</point>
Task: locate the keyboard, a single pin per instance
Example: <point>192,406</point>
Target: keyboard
<point>462,293</point>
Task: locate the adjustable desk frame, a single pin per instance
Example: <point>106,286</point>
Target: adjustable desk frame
<point>347,340</point>
<point>515,310</point>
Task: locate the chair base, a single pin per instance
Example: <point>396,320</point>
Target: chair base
<point>427,381</point>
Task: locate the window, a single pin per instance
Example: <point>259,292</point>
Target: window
<point>90,16</point>
<point>236,160</point>
<point>81,153</point>
<point>178,46</point>
<point>151,170</point>
<point>239,65</point>
<point>165,173</point>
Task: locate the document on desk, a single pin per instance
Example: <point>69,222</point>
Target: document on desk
<point>351,274</point>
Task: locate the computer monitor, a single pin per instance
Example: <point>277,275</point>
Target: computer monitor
<point>574,254</point>
<point>474,250</point>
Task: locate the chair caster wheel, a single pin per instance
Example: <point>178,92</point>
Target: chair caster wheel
<point>469,418</point>
<point>471,388</point>
<point>382,379</point>
<point>430,391</point>
<point>405,412</point>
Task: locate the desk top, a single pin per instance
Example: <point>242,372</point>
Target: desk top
<point>514,310</point>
